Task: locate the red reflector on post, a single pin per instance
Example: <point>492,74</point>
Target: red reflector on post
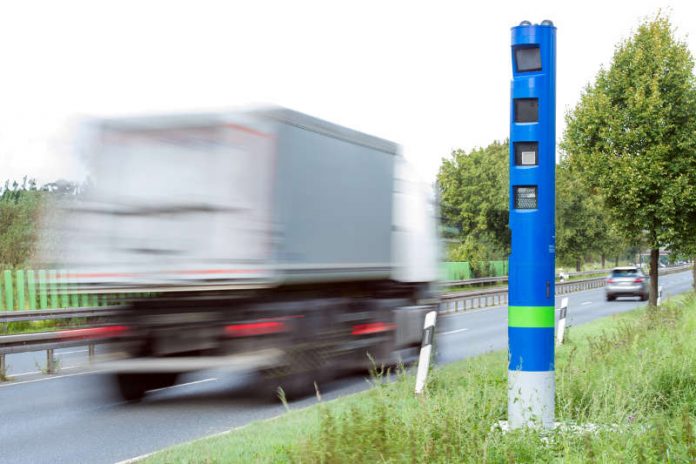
<point>251,329</point>
<point>372,328</point>
<point>93,332</point>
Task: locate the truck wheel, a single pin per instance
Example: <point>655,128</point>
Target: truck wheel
<point>610,298</point>
<point>132,387</point>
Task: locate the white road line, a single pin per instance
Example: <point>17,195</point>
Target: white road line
<point>584,303</point>
<point>185,384</point>
<point>453,331</point>
<point>41,372</point>
<point>43,379</point>
<point>72,352</point>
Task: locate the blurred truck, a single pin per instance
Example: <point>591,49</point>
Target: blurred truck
<point>263,240</point>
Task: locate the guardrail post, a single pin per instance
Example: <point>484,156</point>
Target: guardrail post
<point>90,351</point>
<point>3,367</point>
<point>50,365</point>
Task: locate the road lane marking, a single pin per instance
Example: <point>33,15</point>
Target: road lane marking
<point>10,383</point>
<point>584,303</point>
<point>453,331</point>
<point>185,384</point>
<point>42,372</point>
<point>72,352</point>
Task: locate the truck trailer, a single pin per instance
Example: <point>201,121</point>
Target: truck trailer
<point>261,240</point>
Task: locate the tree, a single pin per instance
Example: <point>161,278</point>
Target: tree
<point>19,215</point>
<point>474,198</point>
<point>633,138</point>
<point>581,223</point>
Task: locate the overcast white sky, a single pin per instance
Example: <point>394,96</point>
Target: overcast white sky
<point>432,76</point>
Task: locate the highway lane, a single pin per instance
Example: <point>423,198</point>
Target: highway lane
<point>73,418</point>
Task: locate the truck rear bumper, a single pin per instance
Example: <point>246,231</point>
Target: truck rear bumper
<point>233,363</point>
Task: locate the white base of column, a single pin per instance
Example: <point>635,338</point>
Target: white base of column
<point>531,398</point>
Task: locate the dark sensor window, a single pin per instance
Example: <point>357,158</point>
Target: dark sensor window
<point>526,197</point>
<point>526,153</point>
<point>526,110</point>
<point>528,59</point>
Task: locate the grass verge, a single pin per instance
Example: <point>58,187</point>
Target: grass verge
<point>634,373</point>
<point>45,325</point>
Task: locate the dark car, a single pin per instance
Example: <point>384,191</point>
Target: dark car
<point>627,281</point>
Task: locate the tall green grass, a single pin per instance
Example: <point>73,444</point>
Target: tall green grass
<point>633,375</point>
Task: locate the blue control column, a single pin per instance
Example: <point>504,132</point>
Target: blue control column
<point>531,314</point>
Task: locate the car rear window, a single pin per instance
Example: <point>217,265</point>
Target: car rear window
<point>624,273</point>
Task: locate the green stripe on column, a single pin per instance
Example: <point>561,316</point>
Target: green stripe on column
<point>531,316</point>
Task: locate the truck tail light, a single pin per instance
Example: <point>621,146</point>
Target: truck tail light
<point>372,328</point>
<point>251,329</point>
<point>108,331</point>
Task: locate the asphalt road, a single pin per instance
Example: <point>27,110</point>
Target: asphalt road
<point>72,417</point>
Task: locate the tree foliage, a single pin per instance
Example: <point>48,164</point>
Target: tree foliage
<point>632,136</point>
<point>19,210</point>
<point>474,199</point>
<point>581,225</point>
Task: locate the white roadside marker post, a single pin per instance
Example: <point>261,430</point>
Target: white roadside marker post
<point>426,350</point>
<point>659,295</point>
<point>562,321</point>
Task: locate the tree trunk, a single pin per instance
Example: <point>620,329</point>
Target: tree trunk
<point>693,272</point>
<point>616,262</point>
<point>577,265</point>
<point>604,261</point>
<point>654,258</point>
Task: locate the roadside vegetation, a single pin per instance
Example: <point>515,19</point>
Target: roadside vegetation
<point>19,216</point>
<point>632,377</point>
<point>12,328</point>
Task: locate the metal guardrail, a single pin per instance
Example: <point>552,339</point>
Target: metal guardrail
<point>50,341</point>
<point>475,281</point>
<point>499,279</point>
<point>48,314</point>
<point>465,301</point>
